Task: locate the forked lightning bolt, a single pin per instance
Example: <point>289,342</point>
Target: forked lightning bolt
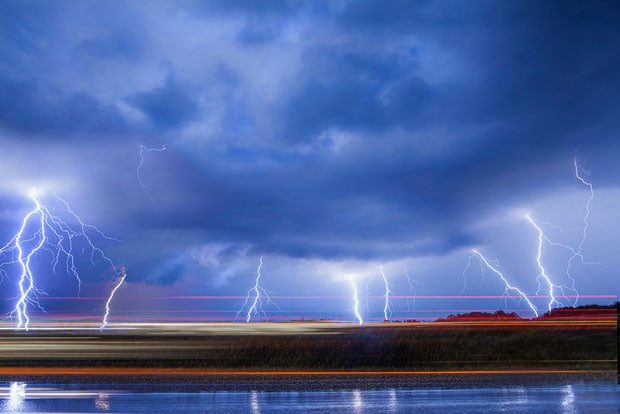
<point>104,322</point>
<point>42,229</point>
<point>356,302</point>
<point>141,150</point>
<point>542,272</point>
<point>387,309</point>
<point>259,295</point>
<point>509,287</point>
<point>584,235</point>
<point>576,252</point>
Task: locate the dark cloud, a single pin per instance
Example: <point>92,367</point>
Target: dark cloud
<point>168,106</point>
<point>31,107</point>
<point>326,129</point>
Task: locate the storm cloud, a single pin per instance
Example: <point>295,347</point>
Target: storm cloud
<point>327,131</point>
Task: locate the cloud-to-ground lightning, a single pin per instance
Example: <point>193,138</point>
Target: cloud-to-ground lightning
<point>387,309</point>
<point>118,284</point>
<point>509,286</point>
<point>256,295</point>
<point>542,272</point>
<point>411,289</point>
<point>42,229</point>
<point>586,224</point>
<point>576,252</point>
<point>356,302</point>
<point>141,150</point>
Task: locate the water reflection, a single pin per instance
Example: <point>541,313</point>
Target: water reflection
<point>357,402</point>
<point>102,401</point>
<point>392,403</point>
<point>595,397</point>
<point>254,405</point>
<point>17,394</point>
<point>568,401</point>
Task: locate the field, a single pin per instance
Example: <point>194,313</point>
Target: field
<point>463,345</point>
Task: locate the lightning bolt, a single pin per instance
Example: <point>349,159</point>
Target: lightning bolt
<point>576,252</point>
<point>465,279</point>
<point>104,321</point>
<point>586,224</point>
<point>387,310</point>
<point>356,302</point>
<point>542,272</point>
<point>141,150</point>
<point>259,294</point>
<point>42,229</point>
<point>413,291</point>
<point>505,280</point>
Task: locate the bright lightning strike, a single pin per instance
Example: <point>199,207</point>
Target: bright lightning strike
<point>387,310</point>
<point>543,274</point>
<point>576,252</point>
<point>586,224</point>
<point>42,229</point>
<point>260,294</point>
<point>104,322</point>
<point>356,302</point>
<point>141,150</point>
<point>506,282</point>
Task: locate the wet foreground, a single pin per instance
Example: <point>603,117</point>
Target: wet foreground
<point>559,393</point>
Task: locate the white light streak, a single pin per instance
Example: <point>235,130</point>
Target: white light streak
<point>387,310</point>
<point>141,150</point>
<point>104,321</point>
<point>542,272</point>
<point>43,229</point>
<point>509,286</point>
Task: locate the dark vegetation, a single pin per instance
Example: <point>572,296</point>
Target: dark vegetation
<point>506,342</point>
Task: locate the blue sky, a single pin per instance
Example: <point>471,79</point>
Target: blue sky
<point>330,137</point>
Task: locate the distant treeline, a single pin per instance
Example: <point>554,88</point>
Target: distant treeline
<point>585,311</point>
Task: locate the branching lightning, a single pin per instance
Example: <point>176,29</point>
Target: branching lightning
<point>42,229</point>
<point>356,302</point>
<point>387,309</point>
<point>104,322</point>
<point>141,150</point>
<point>412,291</point>
<point>505,280</point>
<point>543,273</point>
<point>259,295</point>
<point>584,235</point>
<point>576,252</point>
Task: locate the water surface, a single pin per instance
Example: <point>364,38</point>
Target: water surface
<point>577,397</point>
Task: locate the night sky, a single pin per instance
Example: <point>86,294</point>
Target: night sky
<point>329,137</point>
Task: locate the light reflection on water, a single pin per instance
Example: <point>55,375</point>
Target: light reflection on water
<point>19,397</point>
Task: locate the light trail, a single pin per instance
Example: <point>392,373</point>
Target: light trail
<point>321,297</point>
<point>214,372</point>
<point>104,322</point>
<point>141,150</point>
<point>387,310</point>
<point>506,282</point>
<point>42,229</point>
<point>360,321</point>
